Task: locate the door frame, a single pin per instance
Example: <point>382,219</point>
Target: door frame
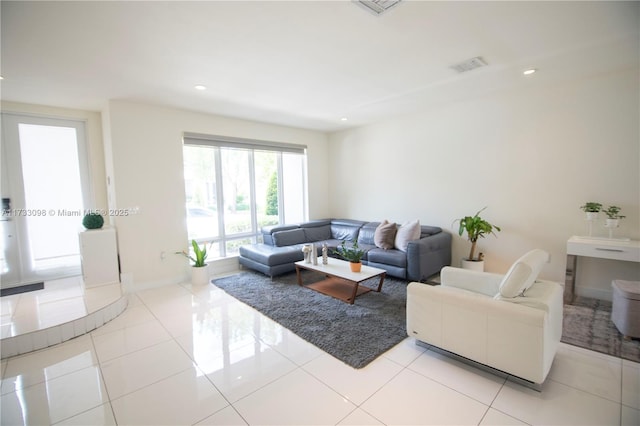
<point>13,187</point>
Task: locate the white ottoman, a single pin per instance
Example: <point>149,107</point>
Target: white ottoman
<point>625,312</point>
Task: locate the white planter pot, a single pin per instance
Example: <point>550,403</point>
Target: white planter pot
<point>612,223</point>
<point>592,215</point>
<point>474,265</point>
<point>200,275</point>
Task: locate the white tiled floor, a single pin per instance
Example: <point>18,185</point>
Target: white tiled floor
<point>183,355</point>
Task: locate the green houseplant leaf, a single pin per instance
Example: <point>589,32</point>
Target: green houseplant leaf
<point>351,254</point>
<point>476,227</point>
<point>613,212</point>
<point>591,207</point>
<point>200,254</point>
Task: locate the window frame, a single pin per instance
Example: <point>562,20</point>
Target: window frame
<point>217,143</point>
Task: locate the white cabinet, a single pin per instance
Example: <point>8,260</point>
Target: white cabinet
<point>99,253</point>
<point>628,251</point>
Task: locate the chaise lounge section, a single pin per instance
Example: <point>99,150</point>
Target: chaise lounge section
<point>282,247</point>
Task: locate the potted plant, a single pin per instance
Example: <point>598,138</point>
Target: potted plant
<point>199,269</point>
<point>613,216</point>
<point>351,254</point>
<point>476,227</point>
<point>93,220</point>
<point>592,209</point>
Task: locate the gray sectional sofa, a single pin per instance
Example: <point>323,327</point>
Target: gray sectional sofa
<point>282,247</point>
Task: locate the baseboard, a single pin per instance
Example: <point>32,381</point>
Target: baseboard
<point>129,286</point>
<point>594,293</point>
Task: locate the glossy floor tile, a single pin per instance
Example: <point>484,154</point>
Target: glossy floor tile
<point>194,355</point>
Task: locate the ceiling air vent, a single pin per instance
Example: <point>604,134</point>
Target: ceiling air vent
<point>470,64</point>
<point>377,6</point>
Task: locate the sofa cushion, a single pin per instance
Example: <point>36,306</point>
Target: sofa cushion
<point>267,232</point>
<point>385,235</point>
<point>270,255</point>
<point>317,233</point>
<point>344,232</point>
<point>387,257</point>
<point>523,273</point>
<point>408,231</point>
<point>365,236</point>
<point>289,238</point>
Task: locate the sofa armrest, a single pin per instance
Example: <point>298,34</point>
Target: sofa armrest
<point>428,255</point>
<point>476,281</point>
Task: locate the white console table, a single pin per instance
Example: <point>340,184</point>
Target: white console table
<point>596,247</point>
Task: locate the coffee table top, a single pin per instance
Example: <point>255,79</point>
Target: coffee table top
<point>341,269</point>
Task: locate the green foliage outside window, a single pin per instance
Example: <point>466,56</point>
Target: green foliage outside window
<point>272,196</point>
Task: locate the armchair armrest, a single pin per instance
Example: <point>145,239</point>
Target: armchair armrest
<point>476,281</point>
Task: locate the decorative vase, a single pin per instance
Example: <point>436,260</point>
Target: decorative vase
<point>355,267</point>
<point>474,265</point>
<point>200,275</point>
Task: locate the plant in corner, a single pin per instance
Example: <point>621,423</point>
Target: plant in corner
<point>476,227</point>
<point>199,270</point>
<point>351,254</point>
<point>200,254</point>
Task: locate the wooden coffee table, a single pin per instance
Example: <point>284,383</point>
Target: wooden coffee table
<point>341,283</point>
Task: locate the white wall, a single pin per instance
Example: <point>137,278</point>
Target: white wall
<point>146,172</point>
<point>532,155</point>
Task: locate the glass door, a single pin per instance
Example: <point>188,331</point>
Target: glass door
<point>44,191</point>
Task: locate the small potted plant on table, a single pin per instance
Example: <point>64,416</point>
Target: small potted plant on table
<point>352,254</point>
<point>613,216</point>
<point>476,227</point>
<point>199,269</point>
<point>591,209</point>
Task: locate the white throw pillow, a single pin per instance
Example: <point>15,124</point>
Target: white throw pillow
<point>408,231</point>
<point>523,273</point>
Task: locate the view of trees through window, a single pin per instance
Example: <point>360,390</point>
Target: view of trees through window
<point>233,192</point>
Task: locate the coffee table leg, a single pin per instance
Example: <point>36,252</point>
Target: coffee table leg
<point>355,292</point>
<point>298,274</point>
<point>381,281</point>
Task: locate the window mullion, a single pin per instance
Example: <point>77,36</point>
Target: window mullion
<point>281,215</point>
<point>252,193</point>
<point>220,202</point>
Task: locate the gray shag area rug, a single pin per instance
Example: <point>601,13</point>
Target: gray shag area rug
<point>587,324</point>
<point>355,334</point>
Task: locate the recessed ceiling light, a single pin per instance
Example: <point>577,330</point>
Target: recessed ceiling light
<point>200,87</point>
<point>530,71</point>
<point>344,119</point>
<point>1,77</point>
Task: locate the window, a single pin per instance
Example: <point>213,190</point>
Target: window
<point>234,187</point>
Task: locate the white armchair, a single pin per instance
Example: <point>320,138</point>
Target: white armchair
<point>510,322</point>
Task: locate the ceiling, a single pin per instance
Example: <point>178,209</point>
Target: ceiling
<point>305,64</point>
